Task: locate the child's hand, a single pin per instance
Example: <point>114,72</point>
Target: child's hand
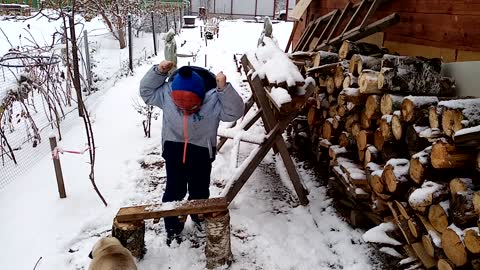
<point>165,66</point>
<point>221,80</point>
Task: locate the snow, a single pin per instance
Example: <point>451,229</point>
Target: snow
<point>373,167</point>
<point>470,108</point>
<point>430,132</point>
<point>445,205</point>
<point>436,238</point>
<point>419,195</point>
<point>350,92</point>
<point>400,167</point>
<point>465,131</point>
<point>338,150</point>
<point>387,117</point>
<point>377,173</point>
<point>280,96</point>
<point>422,100</point>
<point>390,251</point>
<point>420,129</point>
<point>378,234</point>
<point>271,62</point>
<point>407,260</point>
<point>269,228</point>
<point>424,155</point>
<point>397,113</point>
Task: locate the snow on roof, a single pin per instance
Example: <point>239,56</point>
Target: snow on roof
<point>271,62</point>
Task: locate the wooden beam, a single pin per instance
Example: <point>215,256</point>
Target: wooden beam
<point>362,5</point>
<point>373,8</point>
<point>170,209</point>
<point>340,19</point>
<point>290,39</point>
<point>330,23</point>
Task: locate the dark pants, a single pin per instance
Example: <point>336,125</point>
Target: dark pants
<point>193,176</point>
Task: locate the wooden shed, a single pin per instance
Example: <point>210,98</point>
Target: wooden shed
<point>432,28</point>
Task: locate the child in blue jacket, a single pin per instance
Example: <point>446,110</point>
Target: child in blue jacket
<point>193,101</point>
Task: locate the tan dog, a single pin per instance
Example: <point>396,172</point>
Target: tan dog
<point>109,254</point>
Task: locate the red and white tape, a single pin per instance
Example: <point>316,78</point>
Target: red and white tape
<point>57,151</point>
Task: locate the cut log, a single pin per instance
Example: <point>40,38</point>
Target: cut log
<point>328,132</point>
<point>346,140</point>
<point>351,119</point>
<point>472,240</point>
<point>352,95</point>
<point>395,175</point>
<point>350,81</point>
<point>415,227</point>
<point>404,210</point>
<point>468,138</point>
<point>365,122</point>
<point>378,140</point>
<point>445,156</point>
<point>460,185</point>
<point>420,166</point>
<point>336,151</point>
<point>352,67</point>
<point>476,202</point>
<point>416,109</point>
<point>462,209</point>
<point>356,127</point>
<point>413,75</point>
<point>368,82</point>
<point>397,125</point>
<point>372,107</point>
<point>432,243</point>
<point>372,154</point>
<point>323,58</point>
<point>218,251</point>
<point>337,122</point>
<point>386,127</point>
<point>131,235</point>
<point>330,85</point>
<point>427,261</point>
<point>445,264</point>
<point>390,103</point>
<point>438,216</point>
<point>429,193</point>
<point>339,76</point>
<point>376,182</point>
<point>453,246</point>
<point>364,138</point>
<point>434,116</point>
<point>348,49</point>
<point>415,142</point>
<point>459,114</point>
<point>368,62</point>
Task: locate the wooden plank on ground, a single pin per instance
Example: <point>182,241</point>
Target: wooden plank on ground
<point>170,209</point>
<point>428,261</point>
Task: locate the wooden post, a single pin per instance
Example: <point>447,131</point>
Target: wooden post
<point>130,43</point>
<point>131,235</point>
<point>76,70</point>
<point>154,35</point>
<point>58,168</point>
<point>218,250</point>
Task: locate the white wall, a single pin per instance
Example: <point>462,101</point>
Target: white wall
<point>265,8</point>
<point>466,75</point>
<point>244,7</point>
<point>223,6</point>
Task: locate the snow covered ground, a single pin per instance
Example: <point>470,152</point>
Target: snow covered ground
<point>269,229</point>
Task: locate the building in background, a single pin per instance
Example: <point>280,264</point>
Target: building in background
<point>245,8</point>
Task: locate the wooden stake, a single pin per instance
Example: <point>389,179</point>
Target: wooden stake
<point>58,169</point>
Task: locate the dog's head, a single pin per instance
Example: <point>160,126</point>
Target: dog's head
<point>102,244</point>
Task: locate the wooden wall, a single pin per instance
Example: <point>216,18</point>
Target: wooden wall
<point>447,28</point>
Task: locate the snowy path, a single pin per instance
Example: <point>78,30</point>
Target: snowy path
<point>269,229</point>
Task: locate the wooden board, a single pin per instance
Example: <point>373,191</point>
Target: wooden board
<point>183,208</point>
<point>428,261</point>
<point>408,49</point>
<point>299,9</point>
<point>463,56</point>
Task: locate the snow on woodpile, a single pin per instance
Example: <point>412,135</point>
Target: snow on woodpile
<point>337,149</point>
<point>374,167</point>
<point>391,251</point>
<point>280,96</point>
<point>271,62</point>
<point>353,92</point>
<point>379,234</point>
<point>423,156</point>
<point>421,100</point>
<point>420,196</point>
<point>400,167</point>
<point>465,131</point>
<point>470,107</point>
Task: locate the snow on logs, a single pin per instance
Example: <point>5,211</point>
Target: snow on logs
<point>398,141</point>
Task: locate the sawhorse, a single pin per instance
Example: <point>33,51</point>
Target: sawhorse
<point>275,121</point>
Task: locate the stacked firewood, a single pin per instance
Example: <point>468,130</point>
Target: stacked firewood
<point>402,147</point>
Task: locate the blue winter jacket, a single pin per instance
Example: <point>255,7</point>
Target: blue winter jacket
<point>218,105</point>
